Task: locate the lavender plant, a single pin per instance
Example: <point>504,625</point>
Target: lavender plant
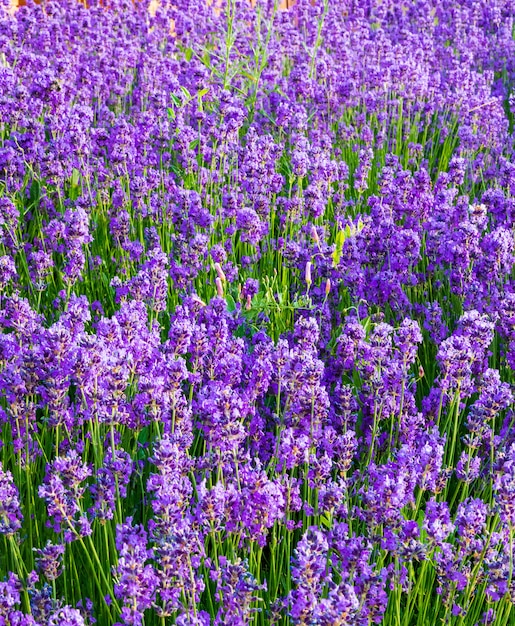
<point>257,301</point>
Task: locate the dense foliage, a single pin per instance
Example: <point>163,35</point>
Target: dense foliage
<point>257,303</point>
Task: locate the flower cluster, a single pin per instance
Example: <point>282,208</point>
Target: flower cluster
<point>257,309</point>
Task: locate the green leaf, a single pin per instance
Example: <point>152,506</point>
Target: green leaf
<point>206,59</point>
<point>326,519</point>
<point>186,94</point>
<point>75,177</point>
<point>231,304</point>
<point>240,331</point>
<point>342,236</point>
<point>143,435</point>
<point>35,191</point>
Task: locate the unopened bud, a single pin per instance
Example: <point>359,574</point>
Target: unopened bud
<point>327,286</point>
<point>219,287</point>
<point>308,273</point>
<point>195,298</point>
<point>220,272</point>
<point>421,372</point>
<point>248,304</point>
<point>314,234</point>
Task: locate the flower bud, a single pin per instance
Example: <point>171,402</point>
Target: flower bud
<point>219,287</point>
<point>195,298</point>
<point>308,273</point>
<point>220,272</point>
<point>314,234</point>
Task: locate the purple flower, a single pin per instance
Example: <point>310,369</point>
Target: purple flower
<point>171,486</point>
<point>434,324</point>
<point>340,607</point>
<point>437,521</point>
<point>49,560</point>
<point>150,285</point>
<point>471,518</point>
<point>468,467</point>
<point>9,217</point>
<point>494,397</point>
<point>10,594</point>
<point>429,462</point>
<point>504,487</point>
<point>136,581</point>
<point>456,357</point>
<point>309,574</point>
<point>10,511</point>
<point>252,229</point>
<point>222,413</point>
<point>114,474</point>
<point>63,491</point>
<point>250,288</point>
<point>236,591</point>
<point>8,272</point>
<point>390,488</point>
<point>66,616</point>
<point>262,503</point>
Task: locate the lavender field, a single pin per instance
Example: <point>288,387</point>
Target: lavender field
<point>257,300</point>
